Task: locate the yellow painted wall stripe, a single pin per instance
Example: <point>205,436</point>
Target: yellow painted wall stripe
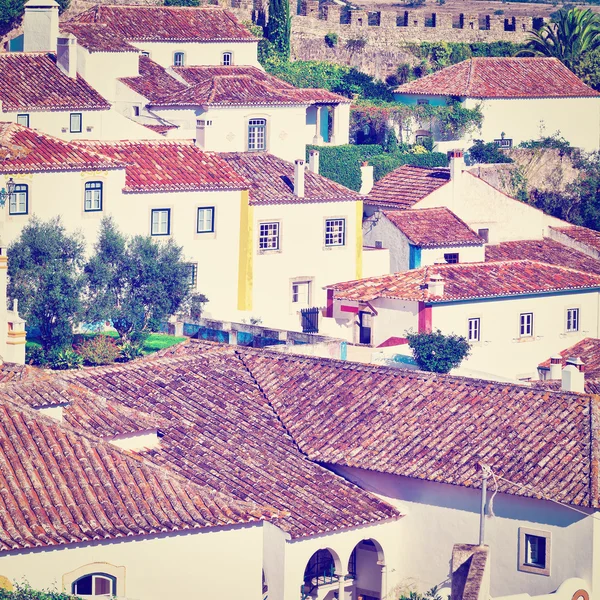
<point>359,239</point>
<point>246,254</point>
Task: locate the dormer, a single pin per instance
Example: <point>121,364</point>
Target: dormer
<point>146,439</point>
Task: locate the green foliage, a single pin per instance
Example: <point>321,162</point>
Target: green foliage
<point>385,163</point>
<point>279,27</point>
<point>194,307</point>
<point>575,32</point>
<point>431,594</point>
<point>555,142</point>
<point>64,359</point>
<point>12,10</point>
<point>356,44</point>
<point>488,153</point>
<point>25,592</point>
<point>455,121</point>
<point>437,352</point>
<point>134,283</point>
<point>587,68</point>
<point>34,355</point>
<point>331,39</point>
<point>182,3</point>
<point>130,350</point>
<point>158,341</point>
<point>99,350</point>
<point>44,265</point>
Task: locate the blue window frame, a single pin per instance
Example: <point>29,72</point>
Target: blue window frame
<point>19,200</point>
<point>75,123</point>
<point>206,219</point>
<point>93,196</point>
<point>161,221</point>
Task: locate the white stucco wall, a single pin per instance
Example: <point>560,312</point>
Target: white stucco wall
<point>440,515</point>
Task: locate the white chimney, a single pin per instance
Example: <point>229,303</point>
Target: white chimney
<point>573,376</point>
<point>299,178</point>
<point>138,440</point>
<point>556,367</point>
<point>66,54</point>
<point>457,163</point>
<point>366,179</point>
<point>436,285</point>
<point>40,26</point>
<point>313,161</point>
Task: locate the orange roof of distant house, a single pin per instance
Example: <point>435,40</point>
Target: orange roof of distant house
<point>583,235</point>
<point>537,77</point>
<point>588,350</point>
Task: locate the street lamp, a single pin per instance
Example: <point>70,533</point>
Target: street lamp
<point>6,193</point>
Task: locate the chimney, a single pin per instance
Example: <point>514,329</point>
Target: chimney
<point>366,179</point>
<point>436,285</point>
<point>457,163</point>
<point>573,376</point>
<point>313,161</point>
<point>299,178</point>
<point>556,367</point>
<point>40,26</point>
<point>138,440</point>
<point>66,54</point>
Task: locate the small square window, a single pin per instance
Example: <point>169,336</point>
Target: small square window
<point>451,258</point>
<point>422,102</point>
<point>474,330</point>
<point>335,232</point>
<point>227,59</point>
<point>572,319</point>
<point>23,120</point>
<point>526,325</point>
<point>19,200</point>
<point>192,274</point>
<point>301,293</point>
<point>534,551</point>
<point>484,234</point>
<point>93,196</point>
<point>268,236</point>
<point>161,221</point>
<point>206,220</point>
<point>75,123</point>
<point>178,59</point>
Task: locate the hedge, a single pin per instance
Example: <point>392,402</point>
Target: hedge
<point>342,163</point>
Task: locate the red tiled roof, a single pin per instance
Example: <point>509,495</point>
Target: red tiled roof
<point>278,186</point>
<point>583,235</point>
<point>97,37</point>
<point>59,486</point>
<point>469,281</point>
<point>162,129</point>
<point>10,372</point>
<point>547,250</point>
<point>168,23</point>
<point>166,165</point>
<point>405,186</point>
<point>433,228</point>
<point>435,427</point>
<point>37,84</point>
<point>588,350</point>
<point>502,78</point>
<point>153,83</point>
<point>24,150</point>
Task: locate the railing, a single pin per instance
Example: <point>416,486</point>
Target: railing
<point>312,583</point>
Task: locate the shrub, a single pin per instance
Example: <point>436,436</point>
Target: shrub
<point>384,163</point>
<point>489,153</point>
<point>64,359</point>
<point>99,350</point>
<point>35,355</point>
<point>129,350</point>
<point>331,39</point>
<point>437,352</point>
<point>356,44</point>
<point>24,592</point>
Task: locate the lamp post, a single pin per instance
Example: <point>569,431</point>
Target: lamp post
<point>6,193</point>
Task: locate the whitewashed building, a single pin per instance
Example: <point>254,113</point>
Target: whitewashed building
<point>521,99</point>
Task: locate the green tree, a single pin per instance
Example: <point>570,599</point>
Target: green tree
<point>438,352</point>
<point>134,283</point>
<point>481,152</point>
<point>45,269</point>
<point>575,32</point>
<point>278,30</point>
<point>182,2</point>
<point>587,68</point>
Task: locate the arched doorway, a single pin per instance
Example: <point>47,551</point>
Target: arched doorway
<point>321,576</point>
<point>366,567</point>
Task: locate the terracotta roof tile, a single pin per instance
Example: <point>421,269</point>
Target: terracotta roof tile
<point>583,235</point>
<point>435,427</point>
<point>405,186</point>
<point>588,350</point>
<point>502,78</point>
<point>37,84</point>
<point>433,228</point>
<point>170,166</point>
<point>153,83</point>
<point>168,23</point>
<point>469,281</point>
<point>97,37</point>
<point>24,150</point>
<point>548,251</point>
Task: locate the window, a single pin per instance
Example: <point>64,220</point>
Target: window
<point>474,330</point>
<point>301,293</point>
<point>96,584</point>
<point>451,258</point>
<point>19,200</point>
<point>93,196</point>
<point>75,123</point>
<point>206,220</point>
<point>534,551</point>
<point>23,120</point>
<point>161,221</point>
<point>144,53</point>
<point>178,59</point>
<point>526,324</point>
<point>136,111</point>
<point>257,138</point>
<point>484,234</point>
<point>504,143</point>
<point>335,232</point>
<point>422,102</point>
<point>192,274</point>
<point>572,319</point>
<point>227,59</point>
<point>268,236</point>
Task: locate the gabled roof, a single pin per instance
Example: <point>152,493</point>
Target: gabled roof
<point>24,150</point>
<point>583,235</point>
<point>168,23</point>
<point>502,78</point>
<point>436,427</point>
<point>433,228</point>
<point>546,250</point>
<point>169,165</point>
<point>37,84</point>
<point>97,37</point>
<point>469,281</point>
<point>153,82</point>
<point>405,186</point>
<point>272,180</point>
<point>588,350</point>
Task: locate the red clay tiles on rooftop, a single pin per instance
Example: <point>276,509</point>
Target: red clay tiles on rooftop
<point>502,78</point>
<point>97,37</point>
<point>588,350</point>
<point>582,235</point>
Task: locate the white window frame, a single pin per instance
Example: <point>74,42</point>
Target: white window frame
<point>159,224</point>
<point>73,129</point>
<point>526,564</point>
<point>205,210</point>
<point>93,196</point>
<point>179,59</point>
<point>572,320</point>
<point>227,59</point>
<point>257,134</point>
<point>526,325</point>
<point>18,203</point>
<point>335,232</point>
<point>301,293</point>
<point>269,236</point>
<point>474,329</point>
<point>23,119</point>
<point>110,578</point>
